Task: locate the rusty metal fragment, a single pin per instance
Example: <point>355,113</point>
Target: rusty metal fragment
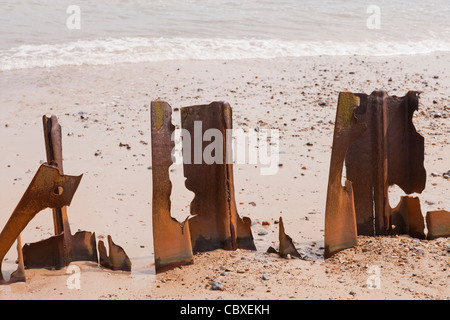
<point>438,224</point>
<point>48,189</point>
<point>216,223</point>
<point>171,239</point>
<point>389,152</point>
<point>53,148</point>
<point>340,221</point>
<point>51,253</point>
<point>60,250</point>
<point>286,245</point>
<point>117,259</point>
<point>407,218</point>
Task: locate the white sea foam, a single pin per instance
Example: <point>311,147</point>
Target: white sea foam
<point>138,49</point>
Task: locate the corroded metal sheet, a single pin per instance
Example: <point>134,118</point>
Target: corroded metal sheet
<point>286,245</point>
<point>340,221</point>
<point>48,189</point>
<point>53,148</point>
<point>62,249</point>
<point>171,239</point>
<point>51,253</point>
<point>117,258</point>
<point>216,223</point>
<point>407,218</point>
<point>389,152</point>
<point>438,224</point>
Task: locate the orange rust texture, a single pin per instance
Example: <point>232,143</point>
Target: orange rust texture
<point>172,243</point>
<point>52,253</point>
<point>117,258</point>
<point>340,221</point>
<point>407,218</point>
<point>63,248</point>
<point>39,195</point>
<point>389,152</point>
<point>216,223</point>
<point>438,224</point>
<point>53,148</point>
<point>286,244</point>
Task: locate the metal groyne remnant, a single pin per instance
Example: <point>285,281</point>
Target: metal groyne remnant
<point>50,188</point>
<point>375,139</point>
<point>172,241</point>
<point>40,194</point>
<point>215,223</point>
<point>286,245</point>
<point>60,250</point>
<point>117,258</point>
<point>438,224</point>
<point>340,220</point>
<point>389,152</point>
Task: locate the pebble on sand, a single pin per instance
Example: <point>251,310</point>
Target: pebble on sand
<point>217,285</point>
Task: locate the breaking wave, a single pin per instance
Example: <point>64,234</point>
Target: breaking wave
<point>138,49</point>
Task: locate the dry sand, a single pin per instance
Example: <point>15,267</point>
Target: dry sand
<point>100,107</point>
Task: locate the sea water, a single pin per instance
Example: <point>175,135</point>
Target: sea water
<point>60,32</point>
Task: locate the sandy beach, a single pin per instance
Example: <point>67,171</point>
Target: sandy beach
<point>100,107</point>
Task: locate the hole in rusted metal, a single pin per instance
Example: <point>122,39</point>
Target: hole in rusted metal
<point>63,248</point>
<point>380,161</point>
<point>215,223</point>
<point>58,191</point>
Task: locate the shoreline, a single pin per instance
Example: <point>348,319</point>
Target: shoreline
<point>431,54</point>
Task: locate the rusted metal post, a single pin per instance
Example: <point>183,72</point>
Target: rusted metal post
<point>340,221</point>
<point>171,239</point>
<point>389,152</point>
<point>53,147</point>
<point>63,248</point>
<point>216,223</point>
<point>39,196</point>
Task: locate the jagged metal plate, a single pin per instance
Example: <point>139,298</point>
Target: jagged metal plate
<point>48,189</point>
